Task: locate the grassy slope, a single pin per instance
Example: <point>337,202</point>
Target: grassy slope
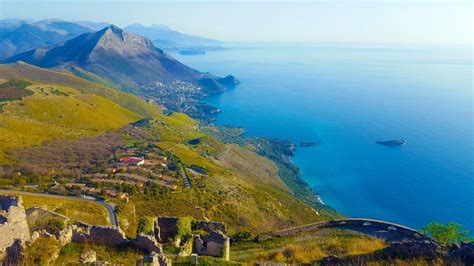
<point>76,210</point>
<point>63,106</point>
<point>71,253</point>
<point>306,248</point>
<point>242,189</point>
<point>41,75</point>
<point>67,113</point>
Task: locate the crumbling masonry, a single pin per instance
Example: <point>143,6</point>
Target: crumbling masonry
<point>13,225</point>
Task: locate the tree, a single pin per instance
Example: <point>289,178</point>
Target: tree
<point>450,233</point>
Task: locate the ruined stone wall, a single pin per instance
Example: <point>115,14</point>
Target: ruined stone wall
<point>167,228</point>
<point>215,244</point>
<point>13,225</point>
<point>36,213</point>
<point>210,226</point>
<point>114,237</point>
<point>103,235</point>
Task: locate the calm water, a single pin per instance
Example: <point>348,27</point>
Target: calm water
<point>345,98</point>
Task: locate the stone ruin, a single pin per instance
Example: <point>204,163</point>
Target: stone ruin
<point>13,225</point>
<point>211,226</point>
<point>215,243</point>
<point>154,259</point>
<point>80,232</point>
<point>166,227</point>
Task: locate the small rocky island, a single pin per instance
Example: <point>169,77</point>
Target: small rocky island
<point>392,143</point>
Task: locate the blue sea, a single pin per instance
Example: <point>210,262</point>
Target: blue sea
<point>346,97</point>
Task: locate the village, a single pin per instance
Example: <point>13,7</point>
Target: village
<point>131,170</point>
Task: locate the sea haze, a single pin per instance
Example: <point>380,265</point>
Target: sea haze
<point>346,98</point>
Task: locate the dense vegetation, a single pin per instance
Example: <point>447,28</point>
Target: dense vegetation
<point>14,90</point>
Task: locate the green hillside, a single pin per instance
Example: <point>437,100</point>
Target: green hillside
<point>39,112</point>
<point>23,71</point>
<point>239,187</point>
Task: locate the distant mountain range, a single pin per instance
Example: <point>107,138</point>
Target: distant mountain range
<point>132,63</point>
<point>17,36</point>
<point>125,59</point>
<point>166,38</point>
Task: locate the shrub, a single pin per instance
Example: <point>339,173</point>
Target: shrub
<point>41,252</point>
<point>241,236</point>
<point>69,249</point>
<point>145,225</point>
<point>450,233</point>
<point>55,224</point>
<point>184,225</point>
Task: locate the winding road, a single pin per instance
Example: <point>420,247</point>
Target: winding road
<point>376,228</point>
<point>109,207</point>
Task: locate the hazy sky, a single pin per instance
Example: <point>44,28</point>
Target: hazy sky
<point>341,21</point>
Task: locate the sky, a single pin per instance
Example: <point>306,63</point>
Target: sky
<point>319,21</point>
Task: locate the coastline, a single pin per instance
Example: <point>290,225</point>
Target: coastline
<point>280,152</point>
<point>288,158</point>
<point>351,173</point>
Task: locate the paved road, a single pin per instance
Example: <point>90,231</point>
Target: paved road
<point>110,208</point>
<point>376,228</point>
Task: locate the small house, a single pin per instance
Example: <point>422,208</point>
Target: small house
<point>132,160</point>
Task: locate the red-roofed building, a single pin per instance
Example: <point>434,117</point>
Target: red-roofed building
<point>132,160</point>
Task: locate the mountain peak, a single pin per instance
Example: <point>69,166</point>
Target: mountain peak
<point>113,29</point>
<point>111,32</point>
<point>127,59</point>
